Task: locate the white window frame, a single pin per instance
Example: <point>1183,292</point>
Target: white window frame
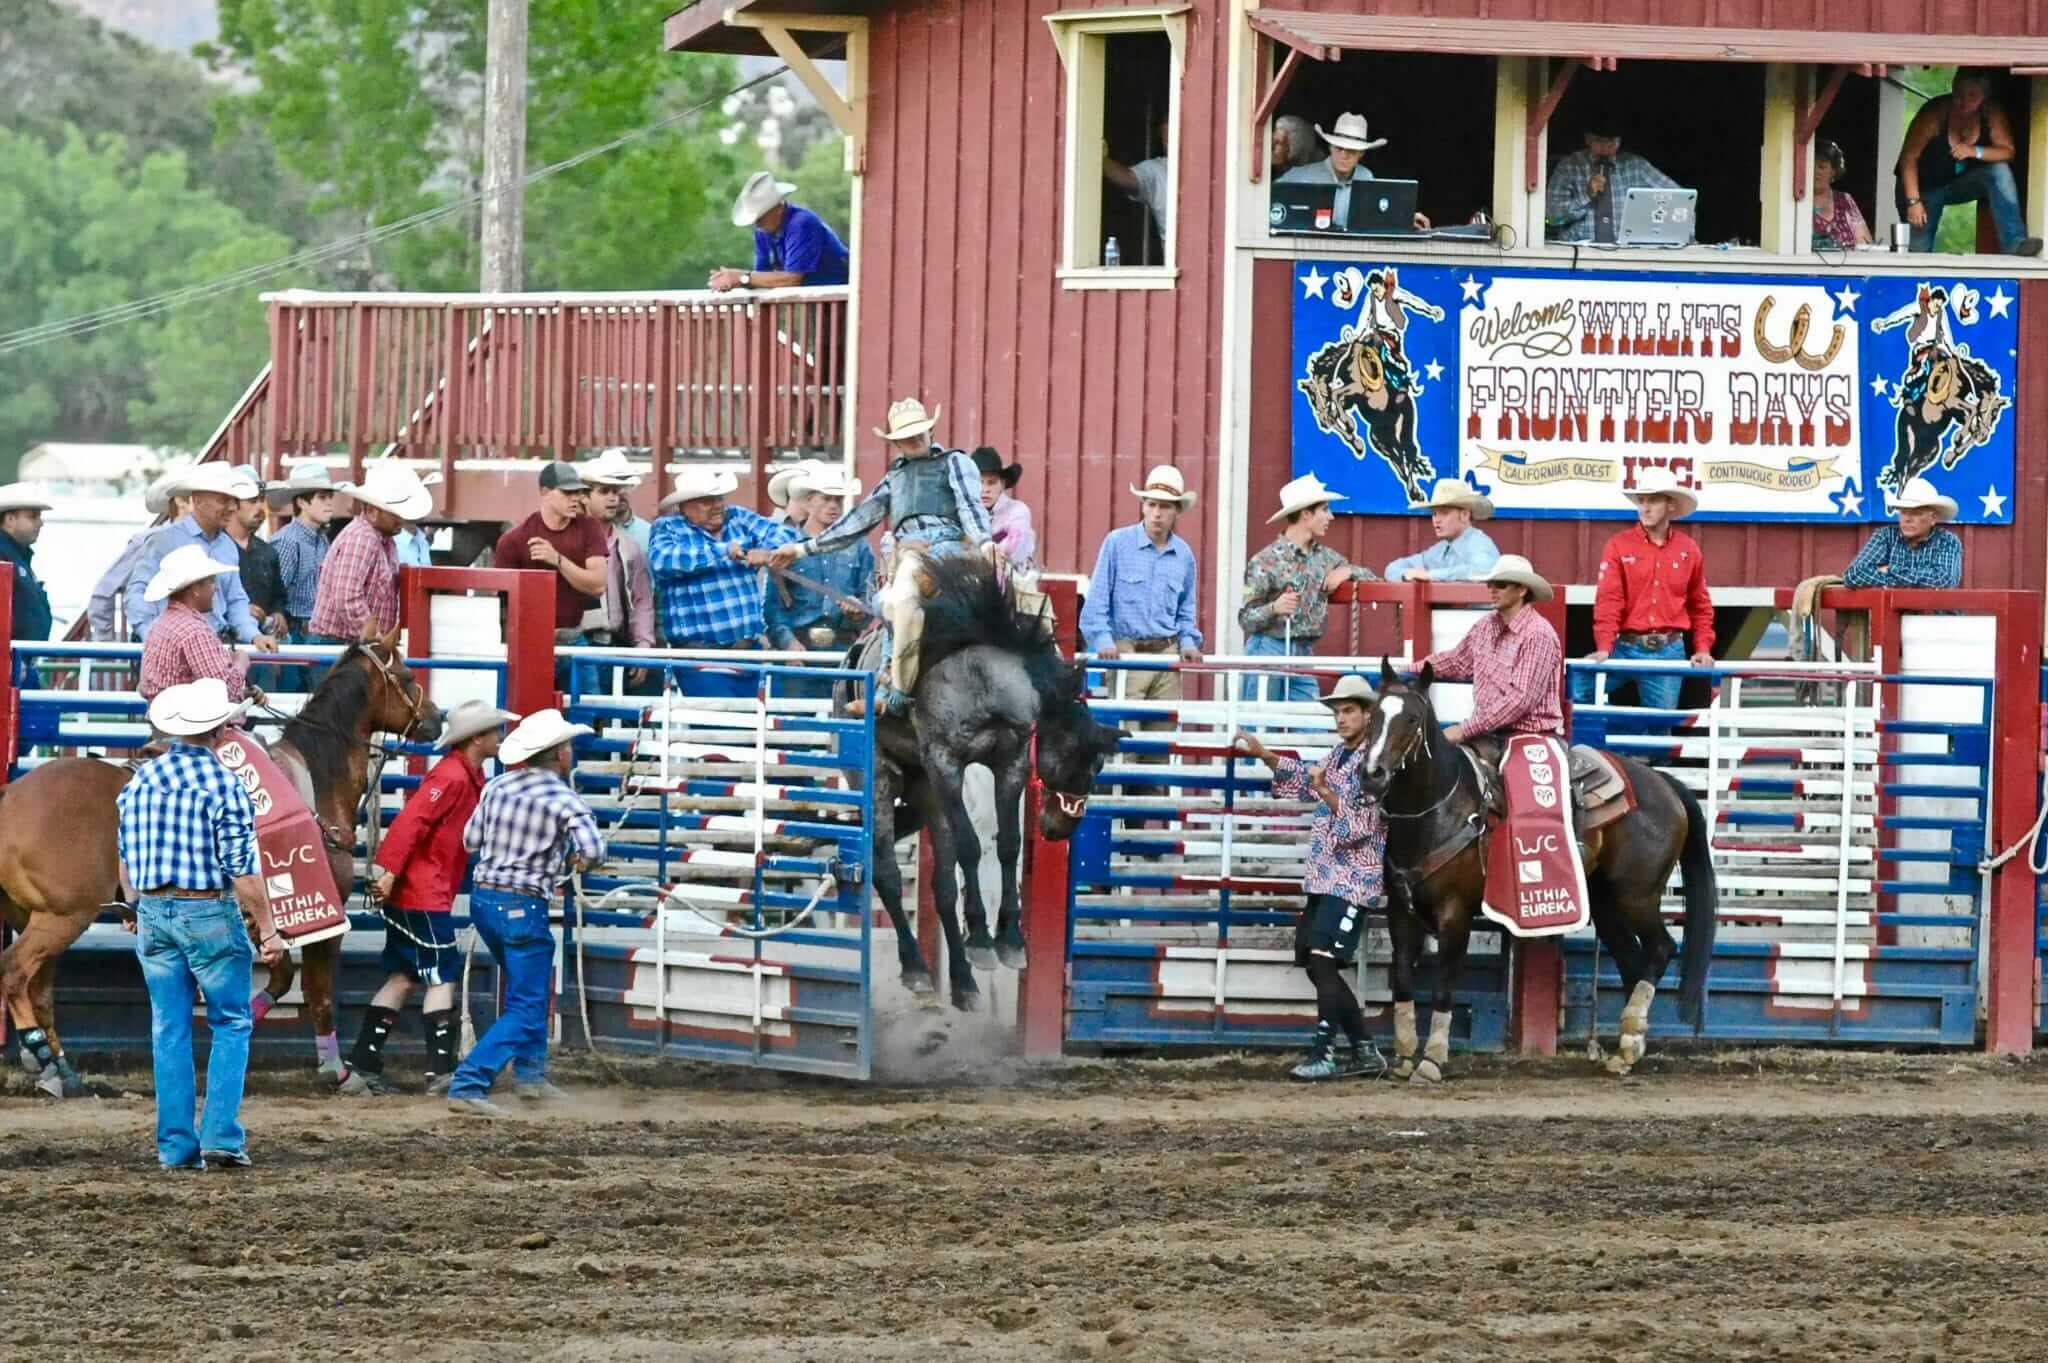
<point>1078,36</point>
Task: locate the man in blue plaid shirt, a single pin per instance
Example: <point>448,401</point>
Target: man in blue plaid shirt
<point>1588,187</point>
<point>528,820</point>
<point>187,837</point>
<point>1917,552</point>
<point>708,588</point>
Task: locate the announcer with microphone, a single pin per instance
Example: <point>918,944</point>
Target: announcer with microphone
<point>1588,187</point>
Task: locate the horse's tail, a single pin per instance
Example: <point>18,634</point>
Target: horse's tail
<point>1702,910</point>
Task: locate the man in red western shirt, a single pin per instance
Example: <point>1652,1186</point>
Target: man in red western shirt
<point>419,871</point>
<point>1652,593</point>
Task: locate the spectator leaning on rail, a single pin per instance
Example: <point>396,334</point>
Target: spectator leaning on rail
<point>527,819</point>
<point>704,558</point>
<point>182,646</point>
<point>1462,552</point>
<point>302,544</point>
<point>359,580</point>
<point>112,586</point>
<point>792,245</point>
<point>21,521</point>
<point>624,618</point>
<point>215,490</point>
<point>1652,591</point>
<point>1142,597</point>
<point>1287,588</point>
<point>803,619</point>
<point>562,539</point>
<point>1513,660</point>
<point>420,866</point>
<point>1346,877</point>
<point>1917,552</point>
<point>187,841</point>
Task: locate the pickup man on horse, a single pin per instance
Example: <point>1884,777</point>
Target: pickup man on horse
<point>181,645</point>
<point>1513,660</point>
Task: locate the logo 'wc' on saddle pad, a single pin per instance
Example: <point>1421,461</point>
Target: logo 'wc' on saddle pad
<point>296,875</point>
<point>1535,885</point>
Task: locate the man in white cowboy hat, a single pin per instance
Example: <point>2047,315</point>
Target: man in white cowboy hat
<point>1513,660</point>
<point>359,580</point>
<point>1142,596</point>
<point>930,503</point>
<point>1588,187</point>
<point>112,587</point>
<point>703,560</point>
<point>613,468</point>
<point>624,615</point>
<point>803,618</point>
<point>420,867</point>
<point>1652,592</point>
<point>1462,552</point>
<point>302,544</point>
<point>1349,142</point>
<point>792,245</point>
<point>1287,588</point>
<point>182,645</point>
<point>527,821</point>
<point>787,498</point>
<point>21,521</point>
<point>1916,552</point>
<point>216,491</point>
<point>1346,876</point>
<point>187,841</point>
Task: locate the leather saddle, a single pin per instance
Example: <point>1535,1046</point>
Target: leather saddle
<point>1601,793</point>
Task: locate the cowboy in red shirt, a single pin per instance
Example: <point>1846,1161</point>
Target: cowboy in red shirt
<point>420,868</point>
<point>1652,592</point>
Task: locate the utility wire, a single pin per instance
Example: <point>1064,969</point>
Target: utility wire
<point>85,324</point>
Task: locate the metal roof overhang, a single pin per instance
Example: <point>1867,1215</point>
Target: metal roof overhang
<point>702,27</point>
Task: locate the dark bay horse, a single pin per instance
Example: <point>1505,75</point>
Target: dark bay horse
<point>57,846</point>
<point>987,680</point>
<point>1429,793</point>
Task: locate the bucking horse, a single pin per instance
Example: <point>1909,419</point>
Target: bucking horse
<point>1946,387</point>
<point>1362,377</point>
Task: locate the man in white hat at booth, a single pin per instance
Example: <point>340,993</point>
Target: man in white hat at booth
<point>1287,588</point>
<point>1652,592</point>
<point>703,559</point>
<point>1349,142</point>
<point>1915,552</point>
<point>792,245</point>
<point>1143,595</point>
<point>528,823</point>
<point>216,492</point>
<point>359,580</point>
<point>182,646</point>
<point>1462,552</point>
<point>21,521</point>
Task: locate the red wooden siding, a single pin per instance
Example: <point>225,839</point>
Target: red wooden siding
<point>2024,17</point>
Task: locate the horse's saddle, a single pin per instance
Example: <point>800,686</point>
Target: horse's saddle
<point>1601,793</point>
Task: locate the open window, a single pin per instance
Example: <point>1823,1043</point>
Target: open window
<point>1122,170</point>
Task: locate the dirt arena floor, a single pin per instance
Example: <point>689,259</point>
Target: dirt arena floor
<point>1754,1206</point>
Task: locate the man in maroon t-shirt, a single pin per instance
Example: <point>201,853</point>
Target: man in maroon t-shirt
<point>560,537</point>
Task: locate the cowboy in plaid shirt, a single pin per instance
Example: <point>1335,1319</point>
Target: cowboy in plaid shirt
<point>704,557</point>
<point>1588,187</point>
<point>1513,660</point>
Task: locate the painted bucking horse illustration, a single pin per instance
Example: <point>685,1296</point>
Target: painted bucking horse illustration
<point>1362,389</point>
<point>1944,387</point>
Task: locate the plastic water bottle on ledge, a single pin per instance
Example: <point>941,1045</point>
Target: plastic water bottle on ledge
<point>1112,256</point>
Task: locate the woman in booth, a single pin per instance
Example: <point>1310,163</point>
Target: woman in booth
<point>1837,221</point>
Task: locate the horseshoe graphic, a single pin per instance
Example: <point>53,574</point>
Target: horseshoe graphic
<point>1366,367</point>
<point>1941,383</point>
<point>1795,351</point>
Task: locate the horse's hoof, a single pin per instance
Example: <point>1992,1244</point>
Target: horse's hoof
<point>982,955</point>
<point>1402,1067</point>
<point>918,981</point>
<point>967,1000</point>
<point>333,1074</point>
<point>1617,1066</point>
<point>1011,953</point>
<point>1427,1074</point>
<point>1595,1052</point>
<point>354,1085</point>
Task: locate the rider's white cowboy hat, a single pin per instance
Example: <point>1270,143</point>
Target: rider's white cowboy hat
<point>907,418</point>
<point>197,707</point>
<point>783,485</point>
<point>1351,687</point>
<point>471,718</point>
<point>1515,568</point>
<point>1457,492</point>
<point>21,497</point>
<point>694,483</point>
<point>1917,495</point>
<point>1349,133</point>
<point>1301,494</point>
<point>180,569</point>
<point>539,731</point>
<point>1164,484</point>
<point>1650,482</point>
<point>216,476</point>
<point>828,479</point>
<point>761,192</point>
<point>611,468</point>
<point>394,488</point>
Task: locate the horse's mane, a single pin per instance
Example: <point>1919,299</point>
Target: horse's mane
<point>323,732</point>
<point>972,607</point>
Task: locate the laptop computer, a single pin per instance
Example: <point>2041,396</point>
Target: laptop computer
<point>1379,208</point>
<point>1656,217</point>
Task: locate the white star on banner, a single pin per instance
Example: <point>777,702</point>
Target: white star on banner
<point>1312,283</point>
<point>1434,370</point>
<point>1877,385</point>
<point>1994,502</point>
<point>1852,504</point>
<point>1471,287</point>
<point>1845,298</point>
<point>1998,301</point>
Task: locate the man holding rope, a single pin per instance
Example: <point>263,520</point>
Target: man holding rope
<point>420,865</point>
<point>525,820</point>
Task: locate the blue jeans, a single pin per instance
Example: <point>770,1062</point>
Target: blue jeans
<point>1989,184</point>
<point>1279,686</point>
<point>186,945</point>
<point>515,928</point>
<point>1653,691</point>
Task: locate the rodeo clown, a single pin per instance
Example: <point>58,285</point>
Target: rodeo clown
<point>1346,877</point>
<point>931,497</point>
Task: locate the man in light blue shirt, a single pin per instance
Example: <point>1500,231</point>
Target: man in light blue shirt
<point>215,490</point>
<point>1462,552</point>
<point>1142,597</point>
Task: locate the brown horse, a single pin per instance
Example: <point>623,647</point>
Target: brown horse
<point>57,847</point>
<point>1436,875</point>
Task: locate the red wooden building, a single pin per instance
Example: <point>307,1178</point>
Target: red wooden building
<point>980,128</point>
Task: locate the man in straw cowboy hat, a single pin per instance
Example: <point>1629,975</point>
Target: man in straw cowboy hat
<point>792,245</point>
<point>1917,551</point>
<point>624,618</point>
<point>612,468</point>
<point>790,502</point>
<point>1652,591</point>
<point>930,500</point>
<point>182,645</point>
<point>1349,142</point>
<point>216,490</point>
<point>21,521</point>
<point>301,544</point>
<point>359,581</point>
<point>112,587</point>
<point>419,870</point>
<point>1513,660</point>
<point>1462,552</point>
<point>528,820</point>
<point>1287,588</point>
<point>1142,597</point>
<point>802,618</point>
<point>187,841</point>
<point>1346,876</point>
<point>703,558</point>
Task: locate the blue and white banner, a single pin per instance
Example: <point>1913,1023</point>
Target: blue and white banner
<point>1781,397</point>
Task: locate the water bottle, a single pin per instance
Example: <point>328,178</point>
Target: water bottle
<point>1111,256</point>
